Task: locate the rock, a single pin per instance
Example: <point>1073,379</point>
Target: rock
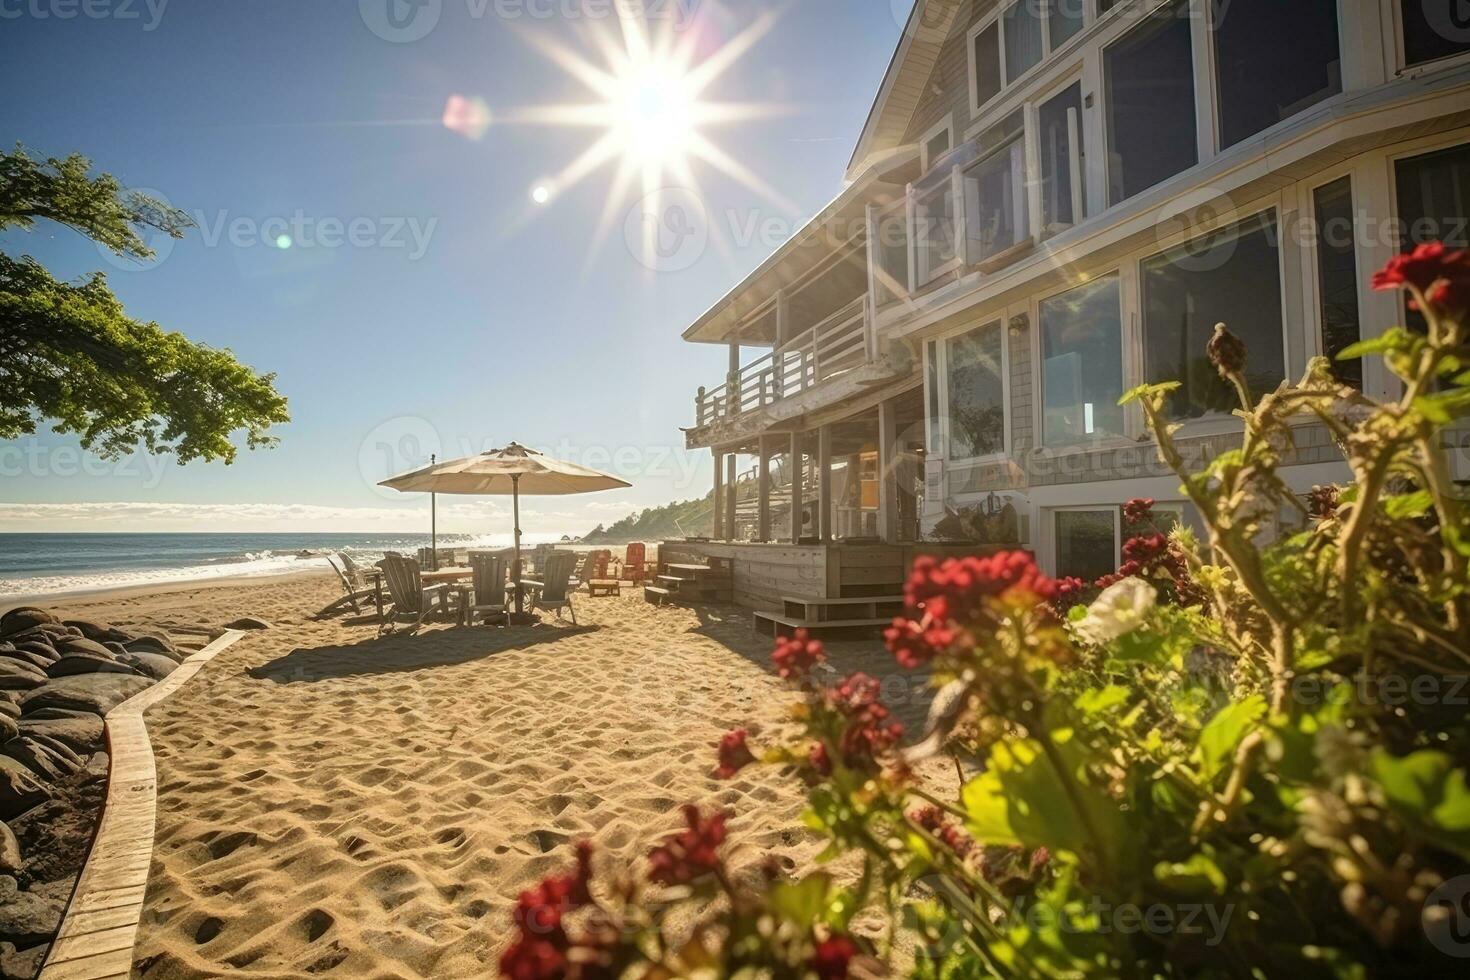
<point>29,918</point>
<point>9,708</point>
<point>56,835</point>
<point>20,789</point>
<point>83,734</point>
<point>149,643</point>
<point>11,862</point>
<point>24,618</point>
<point>97,693</point>
<point>9,728</point>
<point>40,759</point>
<point>21,964</point>
<point>248,623</point>
<point>59,632</point>
<point>100,632</point>
<point>59,749</point>
<point>26,657</point>
<point>16,676</point>
<point>45,714</point>
<point>154,665</point>
<point>80,644</point>
<point>86,663</point>
<point>44,650</point>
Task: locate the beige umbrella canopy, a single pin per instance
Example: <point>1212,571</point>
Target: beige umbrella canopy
<point>511,471</point>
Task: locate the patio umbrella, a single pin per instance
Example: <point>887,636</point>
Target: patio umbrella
<point>511,471</point>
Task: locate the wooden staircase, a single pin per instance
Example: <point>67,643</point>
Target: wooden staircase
<point>690,583</point>
<point>854,617</point>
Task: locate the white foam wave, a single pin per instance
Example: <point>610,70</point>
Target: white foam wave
<point>247,566</point>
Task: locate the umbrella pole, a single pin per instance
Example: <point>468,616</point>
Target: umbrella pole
<point>433,524</point>
<point>515,503</point>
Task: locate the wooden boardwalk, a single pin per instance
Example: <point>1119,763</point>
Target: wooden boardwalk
<point>101,925</point>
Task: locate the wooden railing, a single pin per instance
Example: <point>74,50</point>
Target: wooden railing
<point>836,345</point>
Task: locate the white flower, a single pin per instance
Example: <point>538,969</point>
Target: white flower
<point>1119,610</point>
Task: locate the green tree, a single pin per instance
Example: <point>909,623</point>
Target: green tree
<point>69,353</point>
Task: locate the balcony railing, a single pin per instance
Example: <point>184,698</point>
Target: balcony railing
<point>836,345</point>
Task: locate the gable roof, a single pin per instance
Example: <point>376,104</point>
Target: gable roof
<point>928,26</point>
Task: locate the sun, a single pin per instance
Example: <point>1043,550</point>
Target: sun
<point>648,109</point>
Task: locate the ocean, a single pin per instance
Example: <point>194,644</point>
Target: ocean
<point>41,565</point>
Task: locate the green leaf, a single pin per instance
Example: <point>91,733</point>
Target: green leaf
<point>1136,394</point>
<point>1445,406</point>
<point>801,902</point>
<point>1394,339</point>
<point>1103,700</point>
<point>1225,732</point>
<point>1429,794</point>
<point>1199,875</point>
<point>1407,506</point>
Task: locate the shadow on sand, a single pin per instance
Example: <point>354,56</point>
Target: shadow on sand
<point>401,653</point>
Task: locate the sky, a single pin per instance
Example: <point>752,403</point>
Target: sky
<point>398,275</point>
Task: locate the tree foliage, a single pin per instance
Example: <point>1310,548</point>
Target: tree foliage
<point>69,352</point>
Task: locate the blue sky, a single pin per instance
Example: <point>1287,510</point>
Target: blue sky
<point>425,300</point>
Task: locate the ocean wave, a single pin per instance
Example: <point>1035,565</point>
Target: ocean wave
<point>247,566</point>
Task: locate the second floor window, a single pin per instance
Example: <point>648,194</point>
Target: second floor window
<point>1017,39</point>
<point>1149,78</point>
<point>1059,121</point>
<point>995,192</point>
<point>1273,60</point>
<point>1082,364</point>
<point>1434,29</point>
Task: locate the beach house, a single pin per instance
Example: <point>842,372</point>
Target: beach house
<point>1051,202</point>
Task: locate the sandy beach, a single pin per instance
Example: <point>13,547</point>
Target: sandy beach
<point>332,801</point>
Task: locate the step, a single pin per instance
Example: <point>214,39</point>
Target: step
<point>850,607</point>
<point>654,594</point>
<point>690,568</point>
<point>776,624</point>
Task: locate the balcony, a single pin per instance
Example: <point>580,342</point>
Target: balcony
<point>822,353</point>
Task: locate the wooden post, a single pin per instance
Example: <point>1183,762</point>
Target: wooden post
<point>797,490</point>
<point>763,491</point>
<point>888,471</point>
<point>717,517</point>
<point>824,483</point>
<point>731,475</point>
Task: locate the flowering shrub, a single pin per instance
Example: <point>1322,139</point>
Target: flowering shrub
<point>1234,760</point>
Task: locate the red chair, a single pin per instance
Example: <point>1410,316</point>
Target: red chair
<point>635,568</point>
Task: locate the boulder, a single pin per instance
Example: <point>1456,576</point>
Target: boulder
<point>82,733</point>
<point>80,644</point>
<point>59,632</point>
<point>248,623</point>
<point>21,964</point>
<point>97,693</point>
<point>20,789</point>
<point>24,618</point>
<point>149,643</point>
<point>100,632</point>
<point>43,650</point>
<point>40,759</point>
<point>11,863</point>
<point>28,918</point>
<point>60,749</point>
<point>51,714</point>
<point>26,657</point>
<point>9,708</point>
<point>72,664</point>
<point>15,676</point>
<point>9,728</point>
<point>154,665</point>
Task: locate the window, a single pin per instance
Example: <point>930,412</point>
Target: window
<point>1233,277</point>
<point>1433,200</point>
<point>977,408</point>
<point>1273,60</point>
<point>1065,20</point>
<point>1434,29</point>
<point>997,216</point>
<point>1021,31</point>
<point>931,380</point>
<point>1086,543</point>
<point>1337,276</point>
<point>936,144</point>
<point>934,226</point>
<point>1082,364</point>
<point>1165,520</point>
<point>1149,80</point>
<point>1059,121</point>
<point>891,254</point>
<point>986,72</point>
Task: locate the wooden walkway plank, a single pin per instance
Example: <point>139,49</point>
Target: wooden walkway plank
<point>101,925</point>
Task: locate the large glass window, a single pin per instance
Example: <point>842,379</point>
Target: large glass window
<point>1023,40</point>
<point>931,381</point>
<point>976,393</point>
<point>1150,103</point>
<point>1086,543</point>
<point>892,253</point>
<point>1434,29</point>
<point>1082,364</point>
<point>1059,122</point>
<point>987,64</point>
<point>934,226</point>
<point>1273,60</point>
<point>1434,202</point>
<point>997,216</point>
<point>1066,19</point>
<point>1337,276</point>
<point>1232,277</point>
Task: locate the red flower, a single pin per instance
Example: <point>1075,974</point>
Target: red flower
<point>534,958</point>
<point>832,957</point>
<point>1139,510</point>
<point>1069,593</point>
<point>540,951</point>
<point>819,760</point>
<point>735,755</point>
<point>797,655</point>
<point>690,853</point>
<point>1442,276</point>
<point>934,821</point>
<point>869,731</point>
<point>1146,548</point>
